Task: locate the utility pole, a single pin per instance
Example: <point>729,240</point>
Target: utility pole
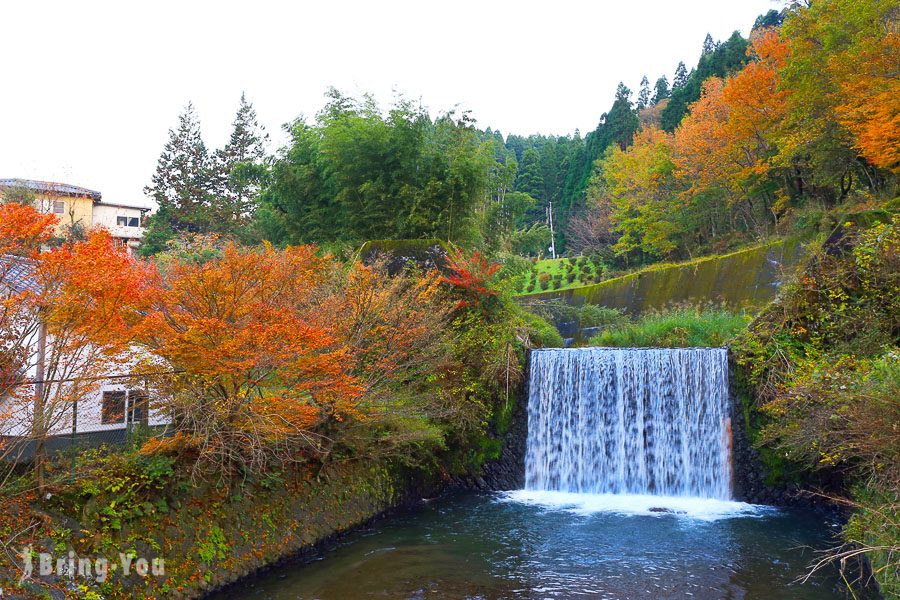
<point>552,235</point>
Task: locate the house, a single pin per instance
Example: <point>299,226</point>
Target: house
<point>95,401</point>
<point>123,221</point>
<point>73,205</point>
<point>78,206</point>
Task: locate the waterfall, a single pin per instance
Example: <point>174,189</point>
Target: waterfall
<point>629,421</point>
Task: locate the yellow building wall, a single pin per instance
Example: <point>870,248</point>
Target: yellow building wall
<point>76,210</point>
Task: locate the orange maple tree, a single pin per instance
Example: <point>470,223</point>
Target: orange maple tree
<point>869,102</point>
<point>65,321</point>
<point>729,137</point>
<point>259,371</point>
<point>23,230</point>
<point>844,83</point>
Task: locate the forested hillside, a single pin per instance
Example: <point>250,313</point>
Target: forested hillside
<point>763,136</point>
<point>348,314</point>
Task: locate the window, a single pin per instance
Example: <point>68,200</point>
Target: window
<point>133,222</point>
<point>58,207</point>
<point>137,406</point>
<point>122,221</point>
<point>113,408</point>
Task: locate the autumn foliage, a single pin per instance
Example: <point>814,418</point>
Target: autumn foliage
<point>23,230</point>
<point>813,117</point>
<point>280,353</point>
<point>257,355</point>
<point>471,276</point>
<point>83,297</point>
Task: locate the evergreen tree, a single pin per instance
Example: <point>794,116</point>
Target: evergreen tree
<point>773,18</point>
<point>239,169</point>
<point>725,58</point>
<point>183,184</point>
<point>157,233</point>
<point>681,76</point>
<point>620,123</point>
<point>661,89</point>
<point>643,100</point>
<point>530,179</point>
<point>709,45</point>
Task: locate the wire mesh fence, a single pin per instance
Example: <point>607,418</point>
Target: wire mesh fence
<point>53,424</point>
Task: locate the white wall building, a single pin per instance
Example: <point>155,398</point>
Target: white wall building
<point>108,400</point>
<point>124,222</point>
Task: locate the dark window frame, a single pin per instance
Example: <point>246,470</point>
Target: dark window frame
<point>138,406</point>
<point>112,409</point>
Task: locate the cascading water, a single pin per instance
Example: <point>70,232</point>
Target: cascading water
<point>629,421</point>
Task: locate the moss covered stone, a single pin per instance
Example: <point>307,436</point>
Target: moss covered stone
<point>399,254</point>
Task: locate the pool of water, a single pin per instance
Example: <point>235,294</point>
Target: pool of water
<point>551,545</point>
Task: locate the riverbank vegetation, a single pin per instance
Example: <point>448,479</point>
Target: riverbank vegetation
<point>676,328</point>
<point>269,363</point>
<point>823,363</point>
<point>284,353</point>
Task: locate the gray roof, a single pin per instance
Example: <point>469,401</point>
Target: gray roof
<point>49,187</point>
<point>17,274</point>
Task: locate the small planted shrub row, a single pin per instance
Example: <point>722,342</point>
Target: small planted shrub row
<point>562,273</point>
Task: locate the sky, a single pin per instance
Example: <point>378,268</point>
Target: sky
<point>89,90</point>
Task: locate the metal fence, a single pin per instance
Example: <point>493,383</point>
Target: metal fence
<point>115,412</point>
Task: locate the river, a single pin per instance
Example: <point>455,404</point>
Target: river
<point>552,545</point>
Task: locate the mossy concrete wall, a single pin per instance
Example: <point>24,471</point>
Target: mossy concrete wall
<point>211,537</point>
<point>747,278</point>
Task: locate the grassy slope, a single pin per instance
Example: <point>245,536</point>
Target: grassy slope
<point>686,327</point>
<point>744,277</point>
<point>585,272</point>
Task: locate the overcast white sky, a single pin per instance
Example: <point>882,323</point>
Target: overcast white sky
<point>89,89</point>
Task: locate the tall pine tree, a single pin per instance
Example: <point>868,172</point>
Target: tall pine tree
<point>182,186</point>
<point>530,177</point>
<point>643,100</point>
<point>619,125</point>
<point>239,170</point>
<point>681,76</point>
<point>661,89</point>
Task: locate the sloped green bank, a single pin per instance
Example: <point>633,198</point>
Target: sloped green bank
<point>747,278</point>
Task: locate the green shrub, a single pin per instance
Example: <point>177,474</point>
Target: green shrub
<point>542,333</point>
<point>875,527</point>
<point>570,277</point>
<point>679,328</point>
<point>514,267</point>
<point>544,279</point>
<point>591,315</point>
